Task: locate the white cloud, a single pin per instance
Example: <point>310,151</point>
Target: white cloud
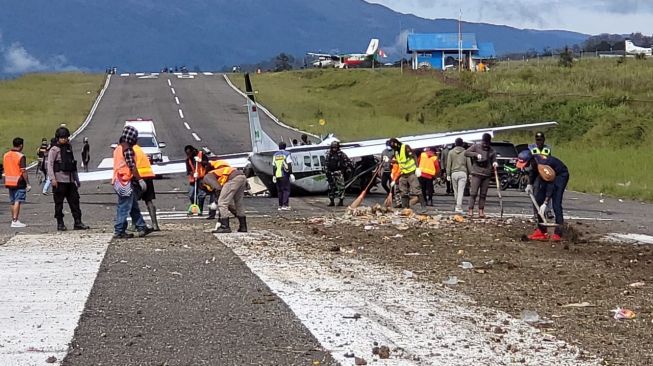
<point>18,60</point>
<point>598,16</point>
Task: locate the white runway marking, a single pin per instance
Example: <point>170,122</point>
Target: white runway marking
<point>126,74</point>
<point>177,100</point>
<point>181,113</point>
<point>140,74</point>
<point>45,281</point>
<point>629,238</point>
<point>169,83</point>
<point>349,303</point>
<point>197,138</point>
<point>173,91</point>
<point>187,126</point>
<point>208,73</point>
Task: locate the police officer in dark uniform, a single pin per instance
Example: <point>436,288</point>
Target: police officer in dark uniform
<point>337,164</point>
<point>62,171</point>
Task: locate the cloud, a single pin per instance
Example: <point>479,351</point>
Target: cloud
<point>17,60</point>
<point>622,6</point>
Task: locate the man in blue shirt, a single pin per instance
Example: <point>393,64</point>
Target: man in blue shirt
<point>555,176</point>
<point>282,175</point>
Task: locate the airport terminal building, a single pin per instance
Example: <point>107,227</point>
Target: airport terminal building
<point>440,51</point>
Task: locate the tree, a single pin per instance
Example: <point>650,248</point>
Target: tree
<point>566,58</point>
<point>283,62</point>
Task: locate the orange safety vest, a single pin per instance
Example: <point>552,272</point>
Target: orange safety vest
<point>428,165</point>
<point>201,171</point>
<point>396,171</point>
<point>143,163</point>
<point>121,171</point>
<point>223,174</point>
<point>13,171</point>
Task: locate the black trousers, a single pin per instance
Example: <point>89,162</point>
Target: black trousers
<point>385,181</point>
<point>68,192</point>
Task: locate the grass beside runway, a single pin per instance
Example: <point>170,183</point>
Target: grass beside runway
<point>604,108</point>
<point>34,105</point>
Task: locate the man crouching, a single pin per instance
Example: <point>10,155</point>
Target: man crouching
<point>228,184</point>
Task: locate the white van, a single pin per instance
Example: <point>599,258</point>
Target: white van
<point>147,139</point>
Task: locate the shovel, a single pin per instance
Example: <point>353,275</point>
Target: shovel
<point>496,177</point>
<point>543,217</point>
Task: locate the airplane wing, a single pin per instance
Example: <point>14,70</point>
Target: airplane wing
<point>325,55</point>
<point>375,147</point>
<point>175,167</point>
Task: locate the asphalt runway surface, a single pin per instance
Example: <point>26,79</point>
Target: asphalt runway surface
<point>220,312</point>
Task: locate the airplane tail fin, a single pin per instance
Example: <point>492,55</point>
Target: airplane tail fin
<point>373,47</point>
<point>260,140</point>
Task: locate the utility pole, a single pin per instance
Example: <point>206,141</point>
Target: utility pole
<point>460,41</point>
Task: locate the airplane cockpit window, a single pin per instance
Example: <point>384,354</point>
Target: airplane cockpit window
<point>307,161</point>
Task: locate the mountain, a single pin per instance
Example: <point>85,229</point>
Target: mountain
<point>146,35</point>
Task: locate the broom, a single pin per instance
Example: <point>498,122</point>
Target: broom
<point>194,208</point>
<point>357,202</point>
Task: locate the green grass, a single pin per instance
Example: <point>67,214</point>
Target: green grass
<point>34,105</point>
<point>604,107</point>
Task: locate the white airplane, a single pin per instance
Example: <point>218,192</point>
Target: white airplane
<point>631,49</point>
<point>308,160</point>
<point>345,61</point>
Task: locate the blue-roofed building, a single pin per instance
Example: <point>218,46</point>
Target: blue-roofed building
<point>440,50</point>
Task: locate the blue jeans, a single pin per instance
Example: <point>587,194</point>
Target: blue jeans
<point>559,184</point>
<point>128,206</point>
<point>46,185</point>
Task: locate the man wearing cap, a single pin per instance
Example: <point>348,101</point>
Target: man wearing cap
<point>555,174</point>
<point>62,172</point>
<point>539,148</point>
<point>484,159</point>
<point>282,175</point>
<point>126,181</point>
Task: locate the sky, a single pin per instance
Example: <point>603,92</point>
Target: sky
<point>585,16</point>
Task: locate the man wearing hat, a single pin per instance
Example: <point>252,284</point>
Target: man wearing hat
<point>554,173</point>
<point>126,183</point>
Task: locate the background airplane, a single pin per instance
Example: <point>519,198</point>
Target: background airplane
<point>348,60</point>
<point>631,49</point>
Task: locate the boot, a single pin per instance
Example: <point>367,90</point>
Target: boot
<point>340,202</point>
<point>79,225</point>
<point>152,210</point>
<point>405,202</point>
<point>331,203</point>
<point>211,215</point>
<point>60,225</point>
<point>242,224</point>
<point>224,226</point>
<point>430,201</point>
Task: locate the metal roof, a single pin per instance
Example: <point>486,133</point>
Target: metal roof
<point>485,51</point>
<point>441,41</point>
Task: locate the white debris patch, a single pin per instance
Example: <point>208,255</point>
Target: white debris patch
<point>360,309</point>
<point>45,281</point>
<point>629,238</point>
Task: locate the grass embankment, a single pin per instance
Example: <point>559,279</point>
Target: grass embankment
<point>605,110</point>
<point>34,105</point>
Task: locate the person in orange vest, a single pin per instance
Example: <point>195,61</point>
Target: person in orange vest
<point>195,158</point>
<point>229,185</point>
<point>16,179</point>
<point>124,181</point>
<point>395,173</point>
<point>147,174</point>
<point>428,165</point>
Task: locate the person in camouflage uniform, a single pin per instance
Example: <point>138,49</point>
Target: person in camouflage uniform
<point>337,164</point>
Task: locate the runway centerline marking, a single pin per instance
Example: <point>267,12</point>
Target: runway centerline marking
<point>181,113</point>
<point>187,125</point>
<point>169,83</point>
<point>197,138</point>
<point>177,100</point>
<point>173,91</point>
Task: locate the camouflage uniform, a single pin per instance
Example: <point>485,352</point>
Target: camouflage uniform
<point>337,163</point>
